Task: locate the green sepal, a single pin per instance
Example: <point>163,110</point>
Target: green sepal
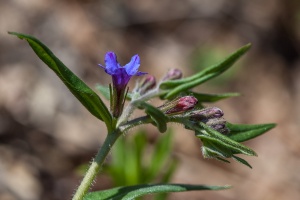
<point>181,85</point>
<point>88,98</point>
<point>132,192</point>
<point>105,92</point>
<point>221,139</point>
<point>244,132</point>
<point>159,118</point>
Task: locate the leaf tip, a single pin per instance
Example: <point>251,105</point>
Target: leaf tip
<point>228,186</point>
<point>270,126</point>
<point>16,34</point>
<point>12,33</point>
<point>248,46</point>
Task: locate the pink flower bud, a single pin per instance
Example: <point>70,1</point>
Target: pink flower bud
<point>179,105</point>
<point>146,84</point>
<point>212,117</point>
<point>206,113</point>
<point>173,74</point>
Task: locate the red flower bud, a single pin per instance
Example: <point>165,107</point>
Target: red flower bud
<point>179,105</point>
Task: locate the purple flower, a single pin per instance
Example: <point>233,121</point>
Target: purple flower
<point>121,75</point>
<point>120,78</point>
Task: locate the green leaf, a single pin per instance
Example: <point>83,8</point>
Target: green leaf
<point>79,89</point>
<point>139,144</point>
<point>170,171</point>
<point>221,139</point>
<point>244,132</point>
<point>228,144</point>
<point>126,164</point>
<point>210,153</point>
<point>132,192</point>
<point>210,98</point>
<point>157,116</point>
<point>238,159</point>
<point>162,150</point>
<point>103,90</point>
<point>215,148</point>
<point>181,85</point>
<point>131,163</point>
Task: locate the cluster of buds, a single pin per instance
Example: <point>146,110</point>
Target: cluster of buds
<point>179,106</point>
<point>211,116</point>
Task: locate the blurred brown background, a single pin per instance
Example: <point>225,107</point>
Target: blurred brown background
<point>45,134</point>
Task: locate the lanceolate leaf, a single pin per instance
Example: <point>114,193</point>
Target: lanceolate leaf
<point>160,156</point>
<point>104,91</point>
<point>229,144</point>
<point>159,118</point>
<point>241,161</point>
<point>79,89</point>
<point>212,149</point>
<point>221,139</point>
<point>210,98</point>
<point>181,85</point>
<point>222,151</point>
<point>132,192</point>
<point>244,132</point>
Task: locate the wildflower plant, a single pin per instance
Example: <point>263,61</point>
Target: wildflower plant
<point>220,139</point>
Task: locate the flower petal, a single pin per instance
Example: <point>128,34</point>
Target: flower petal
<point>133,66</point>
<point>111,63</point>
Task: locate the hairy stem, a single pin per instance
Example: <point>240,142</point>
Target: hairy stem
<point>136,122</point>
<point>96,165</point>
<point>135,101</point>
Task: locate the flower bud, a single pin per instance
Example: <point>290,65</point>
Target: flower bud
<point>206,113</point>
<point>146,84</point>
<point>219,124</point>
<point>179,105</point>
<point>212,117</point>
<point>172,74</point>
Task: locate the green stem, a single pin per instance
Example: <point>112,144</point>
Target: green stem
<point>135,122</point>
<point>96,165</point>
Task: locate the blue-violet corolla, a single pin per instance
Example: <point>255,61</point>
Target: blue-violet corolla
<point>120,78</point>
